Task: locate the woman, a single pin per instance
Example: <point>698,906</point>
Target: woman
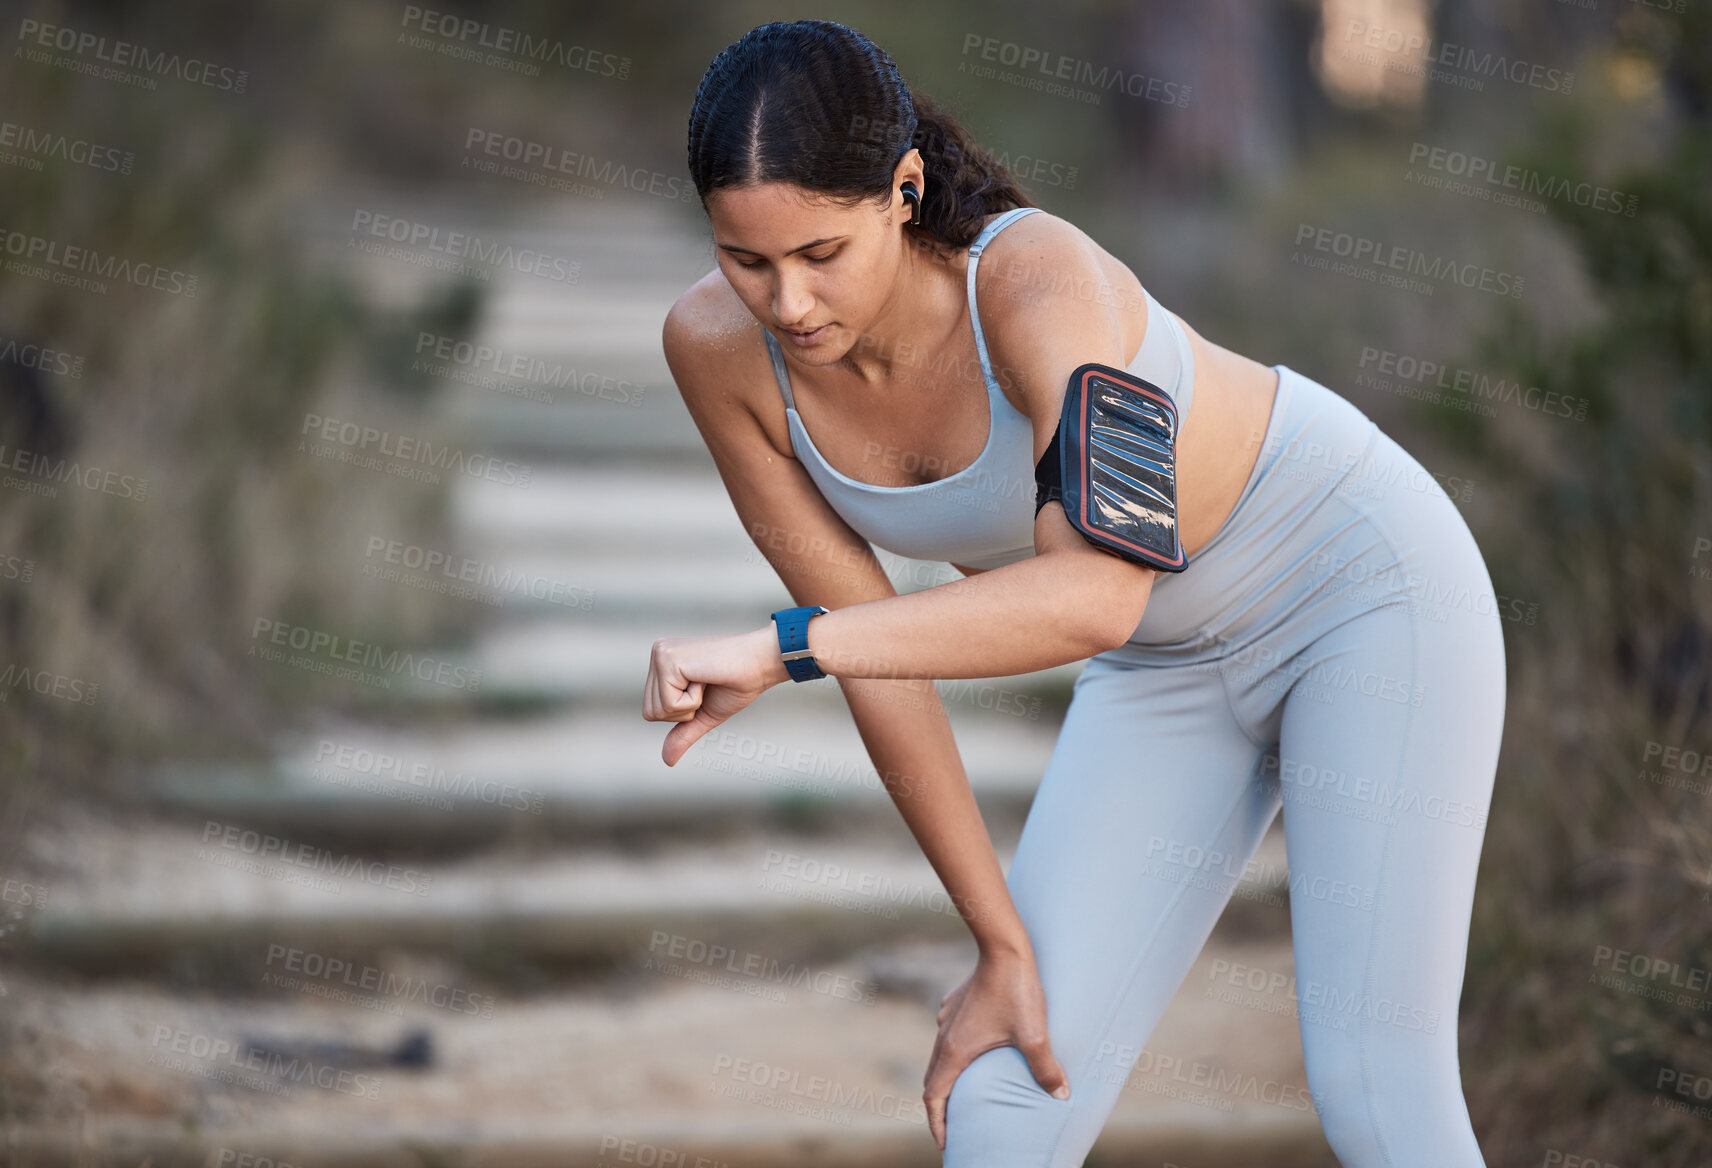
<point>1331,649</point>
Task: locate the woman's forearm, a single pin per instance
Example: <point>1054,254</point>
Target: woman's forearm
<point>1034,614</point>
<point>909,741</point>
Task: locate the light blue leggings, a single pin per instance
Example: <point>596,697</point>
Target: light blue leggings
<point>1335,650</point>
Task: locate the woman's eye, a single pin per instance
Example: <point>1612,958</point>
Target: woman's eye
<point>828,258</point>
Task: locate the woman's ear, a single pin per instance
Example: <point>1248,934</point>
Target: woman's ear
<point>911,173</point>
<point>910,166</point>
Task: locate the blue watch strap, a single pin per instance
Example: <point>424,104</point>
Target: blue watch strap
<point>792,624</point>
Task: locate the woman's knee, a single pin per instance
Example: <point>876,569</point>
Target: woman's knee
<point>1386,1098</point>
<point>997,1113</point>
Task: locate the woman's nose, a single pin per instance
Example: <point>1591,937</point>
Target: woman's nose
<point>792,303</point>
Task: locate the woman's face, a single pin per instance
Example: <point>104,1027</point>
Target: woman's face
<point>805,265</point>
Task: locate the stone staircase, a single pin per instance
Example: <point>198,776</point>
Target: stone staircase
<point>511,935</point>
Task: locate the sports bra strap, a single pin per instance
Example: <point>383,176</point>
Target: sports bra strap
<point>780,373</point>
<point>975,250</point>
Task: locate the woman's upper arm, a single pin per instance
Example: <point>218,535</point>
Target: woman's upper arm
<point>819,558</point>
<point>1047,307</point>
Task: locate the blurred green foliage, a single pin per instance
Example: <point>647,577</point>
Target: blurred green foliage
<point>1607,524</point>
<point>151,598</point>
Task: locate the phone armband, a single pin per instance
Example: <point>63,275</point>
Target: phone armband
<point>1112,463</point>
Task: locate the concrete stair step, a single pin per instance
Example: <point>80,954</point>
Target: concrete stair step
<point>750,1058</point>
<point>148,895</point>
<point>590,323</point>
<point>729,582</point>
<point>658,433</point>
<point>588,773</point>
<point>213,896</point>
<point>732,582</point>
<point>683,511</point>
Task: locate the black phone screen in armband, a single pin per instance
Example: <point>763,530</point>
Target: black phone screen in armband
<point>1113,465</point>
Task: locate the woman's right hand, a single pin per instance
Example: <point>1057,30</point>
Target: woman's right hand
<point>1000,1004</point>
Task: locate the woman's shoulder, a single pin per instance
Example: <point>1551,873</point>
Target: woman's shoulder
<point>1043,269</point>
<point>1043,258</point>
<point>710,320</point>
<point>1040,229</point>
<point>709,329</point>
<point>717,353</point>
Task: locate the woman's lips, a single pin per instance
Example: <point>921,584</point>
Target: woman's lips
<point>811,338</point>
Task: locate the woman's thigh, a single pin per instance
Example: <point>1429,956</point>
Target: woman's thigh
<point>1388,750</point>
<point>1151,806</point>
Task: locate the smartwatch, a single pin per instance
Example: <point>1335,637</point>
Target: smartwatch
<point>792,624</point>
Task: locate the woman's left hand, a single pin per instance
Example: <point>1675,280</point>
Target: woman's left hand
<point>699,682</point>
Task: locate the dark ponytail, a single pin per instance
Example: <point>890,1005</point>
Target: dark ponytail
<point>817,104</point>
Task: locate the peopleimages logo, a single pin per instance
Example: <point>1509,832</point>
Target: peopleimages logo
<point>1408,261</point>
<point>45,470</point>
<point>468,36</point>
<point>319,975</point>
<point>34,36</point>
<point>226,1061</point>
<point>15,677</point>
<point>32,356</point>
<point>53,261</point>
<point>462,245</point>
<point>1521,179</point>
<point>1296,779</point>
<point>362,654</point>
<point>1435,381</point>
<point>520,374</point>
<point>312,858</point>
<point>1477,64</point>
<point>789,1089</point>
<point>344,764</point>
<point>410,457</point>
<point>556,167</point>
<point>463,576</point>
<point>39,144</point>
<point>697,960</point>
<point>1046,72</point>
<point>1314,992</point>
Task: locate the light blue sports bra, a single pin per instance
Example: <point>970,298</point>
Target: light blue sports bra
<point>982,516</point>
